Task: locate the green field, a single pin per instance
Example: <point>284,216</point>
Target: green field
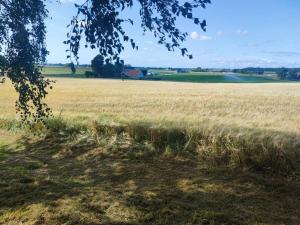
<point>169,75</point>
<point>209,77</point>
<point>64,72</point>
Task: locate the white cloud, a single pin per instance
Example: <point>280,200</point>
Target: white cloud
<point>242,32</point>
<point>199,37</point>
<point>220,33</point>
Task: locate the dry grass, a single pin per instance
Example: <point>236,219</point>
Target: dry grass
<point>273,107</point>
<point>57,180</point>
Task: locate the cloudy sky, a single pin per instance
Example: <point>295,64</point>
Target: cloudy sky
<point>240,33</point>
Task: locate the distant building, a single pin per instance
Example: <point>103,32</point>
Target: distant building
<point>133,74</point>
<point>270,73</point>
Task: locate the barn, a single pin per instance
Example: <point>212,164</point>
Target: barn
<point>133,73</point>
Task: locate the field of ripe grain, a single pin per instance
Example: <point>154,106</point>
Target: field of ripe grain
<point>158,153</point>
<point>274,107</point>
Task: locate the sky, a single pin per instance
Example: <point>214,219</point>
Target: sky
<point>240,33</point>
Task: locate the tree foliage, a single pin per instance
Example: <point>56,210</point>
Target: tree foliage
<point>145,72</point>
<point>72,67</point>
<point>98,22</point>
<point>106,69</point>
<point>97,64</point>
<point>22,36</point>
<point>3,65</point>
<point>288,74</point>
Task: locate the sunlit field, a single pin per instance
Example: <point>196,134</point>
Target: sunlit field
<point>56,71</point>
<point>149,152</point>
<point>273,107</point>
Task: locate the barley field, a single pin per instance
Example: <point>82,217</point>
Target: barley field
<point>274,107</point>
<point>143,152</point>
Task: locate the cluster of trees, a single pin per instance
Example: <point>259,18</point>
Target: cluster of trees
<point>199,69</point>
<point>102,68</point>
<point>288,74</point>
<point>250,70</point>
<point>105,69</point>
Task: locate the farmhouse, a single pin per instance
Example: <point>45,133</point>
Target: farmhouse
<point>133,73</point>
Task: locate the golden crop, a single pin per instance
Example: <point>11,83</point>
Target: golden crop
<point>265,106</point>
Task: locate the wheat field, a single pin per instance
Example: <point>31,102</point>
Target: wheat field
<point>239,163</point>
<point>274,107</point>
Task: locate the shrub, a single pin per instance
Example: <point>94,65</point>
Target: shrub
<point>102,68</point>
<point>90,74</point>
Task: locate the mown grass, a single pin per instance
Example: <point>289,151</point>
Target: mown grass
<point>70,177</point>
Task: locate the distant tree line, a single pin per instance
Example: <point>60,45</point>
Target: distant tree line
<point>289,74</point>
<point>251,70</point>
<point>199,69</point>
<point>65,65</point>
<point>282,73</point>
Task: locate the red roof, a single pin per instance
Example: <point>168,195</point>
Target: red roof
<point>133,73</point>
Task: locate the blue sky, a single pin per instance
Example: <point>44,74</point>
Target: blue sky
<point>240,33</point>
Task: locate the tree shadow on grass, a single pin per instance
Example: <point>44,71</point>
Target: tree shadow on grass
<point>57,180</point>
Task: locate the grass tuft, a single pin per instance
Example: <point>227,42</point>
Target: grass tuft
<point>218,147</point>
